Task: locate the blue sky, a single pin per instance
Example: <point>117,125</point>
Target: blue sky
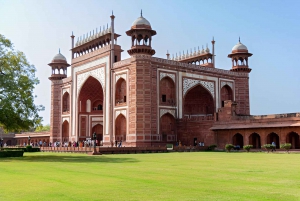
<point>269,28</point>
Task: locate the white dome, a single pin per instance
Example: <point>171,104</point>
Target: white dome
<point>59,56</point>
<point>239,46</point>
<point>141,21</point>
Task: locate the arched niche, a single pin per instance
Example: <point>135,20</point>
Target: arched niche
<point>198,101</point>
<point>121,92</point>
<point>167,91</point>
<point>91,90</point>
<point>238,140</point>
<point>66,102</point>
<point>120,128</point>
<point>65,131</point>
<point>273,137</point>
<point>226,94</point>
<point>254,140</point>
<point>293,138</point>
<point>167,126</point>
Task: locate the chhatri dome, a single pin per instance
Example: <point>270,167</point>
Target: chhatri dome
<point>141,21</point>
<point>59,58</point>
<point>240,47</point>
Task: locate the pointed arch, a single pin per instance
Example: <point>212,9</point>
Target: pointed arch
<point>167,126</point>
<point>66,102</point>
<point>120,128</point>
<point>167,91</point>
<point>65,131</point>
<point>254,140</point>
<point>226,94</point>
<point>91,90</point>
<point>273,137</point>
<point>121,91</point>
<point>238,139</point>
<point>293,138</point>
<point>198,101</point>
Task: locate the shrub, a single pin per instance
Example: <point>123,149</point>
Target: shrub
<point>228,147</point>
<point>28,148</point>
<point>212,147</point>
<point>286,146</point>
<point>14,153</point>
<point>247,147</point>
<point>268,147</point>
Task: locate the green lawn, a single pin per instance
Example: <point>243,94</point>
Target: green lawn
<point>162,176</point>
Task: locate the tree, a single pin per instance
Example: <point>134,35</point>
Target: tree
<point>17,81</point>
<point>42,128</point>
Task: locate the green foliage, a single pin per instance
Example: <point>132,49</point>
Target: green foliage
<point>228,147</point>
<point>17,81</point>
<point>247,147</point>
<point>212,147</point>
<point>268,147</point>
<point>42,128</point>
<point>286,146</point>
<point>169,145</point>
<point>11,153</point>
<point>24,149</point>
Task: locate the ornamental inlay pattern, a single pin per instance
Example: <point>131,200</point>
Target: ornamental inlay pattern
<point>189,83</point>
<point>97,73</point>
<point>95,123</point>
<point>162,75</point>
<point>124,76</point>
<point>118,112</point>
<point>164,111</point>
<point>223,83</point>
<point>65,119</point>
<point>66,90</point>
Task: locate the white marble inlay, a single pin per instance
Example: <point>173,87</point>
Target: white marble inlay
<point>162,75</point>
<point>223,83</point>
<point>118,112</point>
<point>164,111</point>
<point>96,73</point>
<point>189,83</point>
<point>118,76</point>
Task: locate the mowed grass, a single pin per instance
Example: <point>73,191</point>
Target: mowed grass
<point>161,176</point>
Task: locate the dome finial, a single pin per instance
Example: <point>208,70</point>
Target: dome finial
<point>59,50</point>
<point>141,13</point>
<point>239,39</point>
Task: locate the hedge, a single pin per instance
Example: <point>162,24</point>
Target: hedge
<point>12,153</point>
<point>24,149</point>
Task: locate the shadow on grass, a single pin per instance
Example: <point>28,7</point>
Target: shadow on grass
<point>70,159</point>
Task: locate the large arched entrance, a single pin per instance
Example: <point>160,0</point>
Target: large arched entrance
<point>293,138</point>
<point>167,127</point>
<point>120,128</point>
<point>238,139</point>
<point>120,92</point>
<point>65,131</point>
<point>167,91</point>
<point>198,101</point>
<point>254,140</point>
<point>90,102</point>
<point>273,137</point>
<point>226,94</point>
<point>98,129</point>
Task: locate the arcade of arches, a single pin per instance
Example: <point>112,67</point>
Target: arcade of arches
<point>198,101</point>
<point>258,140</point>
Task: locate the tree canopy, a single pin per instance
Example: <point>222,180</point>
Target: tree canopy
<point>17,81</point>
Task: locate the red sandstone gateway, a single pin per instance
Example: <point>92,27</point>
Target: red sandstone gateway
<point>152,101</point>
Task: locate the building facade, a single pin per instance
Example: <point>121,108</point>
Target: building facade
<point>144,100</point>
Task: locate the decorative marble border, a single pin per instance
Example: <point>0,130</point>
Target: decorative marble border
<point>97,122</point>
<point>162,75</point>
<point>230,84</point>
<point>65,119</point>
<point>96,73</point>
<point>124,76</point>
<point>118,112</point>
<point>165,111</point>
<point>189,83</point>
<point>65,90</point>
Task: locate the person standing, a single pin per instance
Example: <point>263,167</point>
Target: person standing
<point>273,146</point>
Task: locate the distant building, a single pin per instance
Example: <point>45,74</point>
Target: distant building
<point>149,101</point>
